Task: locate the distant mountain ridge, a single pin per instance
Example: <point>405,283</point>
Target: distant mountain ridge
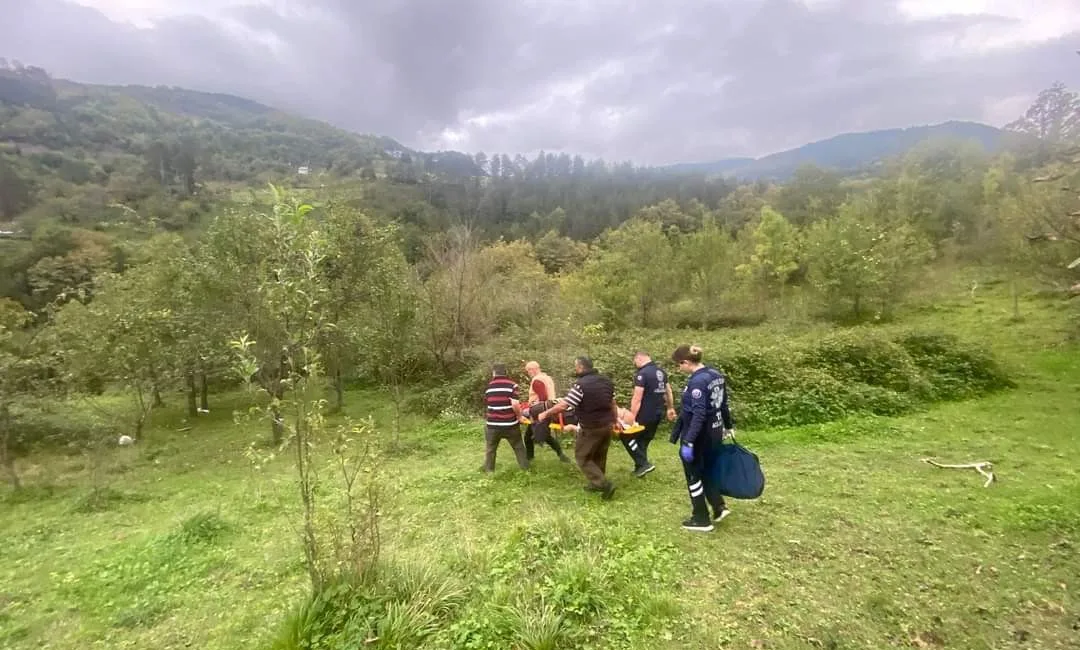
<point>846,152</point>
<point>243,139</point>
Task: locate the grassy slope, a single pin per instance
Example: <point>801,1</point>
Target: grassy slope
<point>855,544</point>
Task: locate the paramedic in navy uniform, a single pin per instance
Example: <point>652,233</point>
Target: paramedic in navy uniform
<point>705,421</point>
<point>652,393</point>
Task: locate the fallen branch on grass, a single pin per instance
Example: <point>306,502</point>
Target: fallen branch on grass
<point>983,467</point>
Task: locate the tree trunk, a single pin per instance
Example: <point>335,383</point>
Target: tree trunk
<point>307,498</point>
<point>397,411</point>
<point>192,396</point>
<point>140,423</point>
<point>277,422</point>
<point>277,427</point>
<point>7,456</point>
<point>706,309</point>
<point>339,391</point>
<point>140,416</point>
<point>155,389</point>
<point>204,398</point>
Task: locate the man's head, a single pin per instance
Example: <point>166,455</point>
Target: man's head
<point>641,358</point>
<point>582,365</point>
<point>498,370</point>
<point>687,357</point>
<point>532,368</point>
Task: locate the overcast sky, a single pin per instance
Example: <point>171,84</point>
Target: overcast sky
<point>653,81</point>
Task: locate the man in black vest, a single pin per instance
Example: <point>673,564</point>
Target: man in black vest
<point>652,393</point>
<point>593,399</point>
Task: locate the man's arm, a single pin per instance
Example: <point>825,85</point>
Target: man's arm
<point>514,403</point>
<point>560,406</point>
<point>635,402</point>
<point>670,402</point>
<point>572,399</point>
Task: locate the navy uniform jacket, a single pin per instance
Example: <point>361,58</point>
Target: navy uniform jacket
<point>704,407</point>
<point>653,381</point>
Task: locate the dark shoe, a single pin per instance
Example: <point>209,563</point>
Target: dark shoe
<point>644,470</point>
<point>609,491</point>
<point>564,458</point>
<point>718,517</point>
<point>698,526</point>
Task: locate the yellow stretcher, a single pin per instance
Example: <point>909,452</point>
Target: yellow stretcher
<point>618,430</point>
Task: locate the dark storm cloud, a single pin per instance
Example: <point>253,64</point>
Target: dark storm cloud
<point>625,79</point>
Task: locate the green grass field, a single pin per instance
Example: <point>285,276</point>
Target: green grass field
<point>856,543</point>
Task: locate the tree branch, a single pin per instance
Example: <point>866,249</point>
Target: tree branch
<point>983,467</point>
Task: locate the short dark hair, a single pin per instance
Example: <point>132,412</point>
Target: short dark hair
<point>498,369</point>
<point>684,352</point>
<point>585,362</point>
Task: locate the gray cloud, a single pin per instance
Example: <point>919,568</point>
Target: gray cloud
<point>653,82</point>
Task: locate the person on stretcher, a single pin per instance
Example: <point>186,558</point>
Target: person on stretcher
<point>570,425</point>
<point>626,419</point>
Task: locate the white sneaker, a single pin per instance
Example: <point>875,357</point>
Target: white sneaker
<point>723,513</point>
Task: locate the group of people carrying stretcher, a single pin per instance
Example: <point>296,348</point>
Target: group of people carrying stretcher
<point>590,413</point>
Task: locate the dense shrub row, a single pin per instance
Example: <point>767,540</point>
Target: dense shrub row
<point>787,384</point>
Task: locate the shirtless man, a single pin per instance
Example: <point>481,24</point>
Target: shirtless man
<point>541,398</point>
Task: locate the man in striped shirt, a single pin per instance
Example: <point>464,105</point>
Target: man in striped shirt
<point>502,418</point>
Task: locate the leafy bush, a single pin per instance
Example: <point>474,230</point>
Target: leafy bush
<point>846,373</point>
<point>38,428</point>
<point>462,395</point>
<point>868,359</point>
<point>954,370</point>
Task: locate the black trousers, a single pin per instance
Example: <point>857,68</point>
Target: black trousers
<point>540,432</point>
<point>702,492</point>
<point>531,439</point>
<point>637,445</point>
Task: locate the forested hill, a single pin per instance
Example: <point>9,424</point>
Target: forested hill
<point>87,170</point>
<point>72,153</point>
<point>849,151</point>
<point>79,156</point>
<point>56,136</point>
